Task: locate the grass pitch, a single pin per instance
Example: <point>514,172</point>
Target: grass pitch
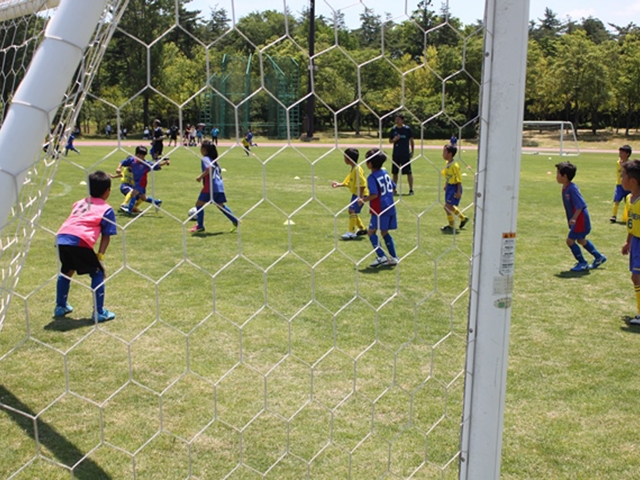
<point>275,350</point>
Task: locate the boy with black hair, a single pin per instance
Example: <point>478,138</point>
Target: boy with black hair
<point>90,217</point>
<point>357,185</point>
<point>624,152</point>
<point>382,208</point>
<point>452,188</point>
<point>578,217</point>
<point>631,182</point>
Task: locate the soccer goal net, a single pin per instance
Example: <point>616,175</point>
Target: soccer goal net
<point>275,345</point>
<point>549,138</point>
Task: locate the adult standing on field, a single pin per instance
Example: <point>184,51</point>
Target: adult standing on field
<point>403,146</point>
<point>157,144</point>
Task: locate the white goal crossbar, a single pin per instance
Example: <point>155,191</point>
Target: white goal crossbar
<point>19,8</point>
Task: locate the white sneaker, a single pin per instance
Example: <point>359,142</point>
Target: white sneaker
<point>393,261</point>
<point>349,236</point>
<point>380,261</point>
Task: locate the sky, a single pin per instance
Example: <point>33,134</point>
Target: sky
<point>619,12</point>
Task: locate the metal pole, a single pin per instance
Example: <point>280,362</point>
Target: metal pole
<point>501,114</point>
<point>311,101</point>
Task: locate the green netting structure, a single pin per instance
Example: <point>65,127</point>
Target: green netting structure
<point>272,112</point>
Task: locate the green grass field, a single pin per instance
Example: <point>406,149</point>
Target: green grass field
<point>275,350</point>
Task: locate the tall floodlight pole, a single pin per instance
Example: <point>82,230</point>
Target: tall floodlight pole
<point>312,40</point>
<point>501,113</point>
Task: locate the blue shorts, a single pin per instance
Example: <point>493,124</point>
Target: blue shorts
<point>619,193</point>
<point>634,255</point>
<point>579,235</point>
<point>354,206</point>
<point>384,222</point>
<point>125,188</point>
<point>218,198</point>
<point>450,194</point>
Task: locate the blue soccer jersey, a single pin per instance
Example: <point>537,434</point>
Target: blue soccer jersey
<point>380,184</point>
<point>573,200</point>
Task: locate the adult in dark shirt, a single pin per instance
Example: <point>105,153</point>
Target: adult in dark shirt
<point>158,136</point>
<point>402,139</point>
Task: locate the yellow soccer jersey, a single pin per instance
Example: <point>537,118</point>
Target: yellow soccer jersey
<point>619,172</point>
<point>633,220</point>
<point>355,180</point>
<point>127,176</point>
<point>451,173</point>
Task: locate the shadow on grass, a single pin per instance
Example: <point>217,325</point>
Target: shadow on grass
<point>628,327</point>
<point>44,434</point>
<point>206,234</point>
<point>570,274</point>
<point>369,270</point>
<point>66,324</point>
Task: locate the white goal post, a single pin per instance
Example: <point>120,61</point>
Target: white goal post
<point>550,137</point>
<point>64,65</point>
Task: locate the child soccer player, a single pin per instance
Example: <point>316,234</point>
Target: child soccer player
<point>624,152</point>
<point>357,185</point>
<point>247,142</point>
<point>452,188</point>
<point>135,188</point>
<point>69,145</point>
<point>631,182</point>
<point>90,217</point>
<point>578,218</point>
<point>212,187</point>
<point>382,208</point>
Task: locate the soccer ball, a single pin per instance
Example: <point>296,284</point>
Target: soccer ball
<point>192,213</point>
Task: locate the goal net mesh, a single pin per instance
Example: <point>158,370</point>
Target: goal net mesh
<point>269,352</point>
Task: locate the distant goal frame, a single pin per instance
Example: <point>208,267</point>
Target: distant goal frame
<point>563,139</point>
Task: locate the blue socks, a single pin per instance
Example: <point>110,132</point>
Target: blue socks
<point>577,252</point>
<point>590,247</point>
<point>200,216</point>
<point>376,246</point>
<point>226,211</point>
<point>388,241</point>
<point>97,285</point>
<point>62,291</point>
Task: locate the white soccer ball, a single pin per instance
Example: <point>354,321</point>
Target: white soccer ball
<point>192,213</point>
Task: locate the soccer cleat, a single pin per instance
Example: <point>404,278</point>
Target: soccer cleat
<point>380,261</point>
<point>62,311</point>
<point>393,261</point>
<point>233,228</point>
<point>411,192</point>
<point>360,233</point>
<point>105,316</point>
<point>463,222</point>
<point>613,219</point>
<point>598,261</point>
<point>125,209</point>
<point>580,267</point>
<point>447,229</point>
<point>349,236</point>
<point>157,202</point>
<point>196,229</point>
<point>635,320</point>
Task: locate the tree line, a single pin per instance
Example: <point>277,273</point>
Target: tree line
<point>431,63</point>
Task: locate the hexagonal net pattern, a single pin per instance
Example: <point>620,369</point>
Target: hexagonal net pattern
<point>252,337</point>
